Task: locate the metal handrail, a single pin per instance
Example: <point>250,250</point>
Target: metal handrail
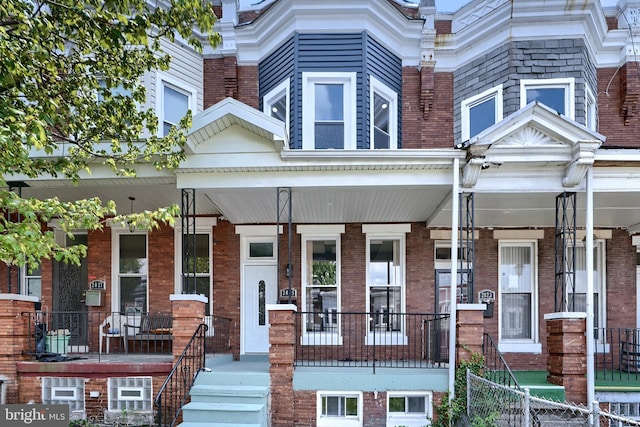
<point>174,391</point>
<point>496,367</point>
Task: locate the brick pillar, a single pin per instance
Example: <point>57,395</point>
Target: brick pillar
<point>187,311</point>
<point>17,325</point>
<point>282,337</point>
<point>567,354</point>
<point>469,330</point>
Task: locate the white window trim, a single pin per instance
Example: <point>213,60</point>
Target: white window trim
<point>600,261</point>
<point>388,232</point>
<point>116,231</point>
<point>591,109</point>
<point>348,80</point>
<point>532,345</point>
<point>469,103</point>
<point>376,85</point>
<point>203,226</point>
<point>568,84</point>
<point>322,421</point>
<point>410,420</point>
<point>273,95</point>
<point>163,80</point>
<point>321,232</point>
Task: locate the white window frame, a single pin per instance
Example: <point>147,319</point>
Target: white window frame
<point>76,403</point>
<point>376,86</point>
<point>163,80</point>
<point>346,421</point>
<point>203,226</point>
<point>599,264</point>
<point>591,110</point>
<point>466,106</point>
<point>116,231</point>
<point>117,402</point>
<point>388,232</point>
<point>568,84</point>
<point>348,80</point>
<point>533,344</point>
<point>313,233</point>
<point>276,93</point>
<point>26,276</point>
<point>410,419</point>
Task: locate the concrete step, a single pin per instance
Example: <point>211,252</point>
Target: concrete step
<point>207,424</point>
<point>227,413</point>
<point>215,393</point>
<point>235,374</point>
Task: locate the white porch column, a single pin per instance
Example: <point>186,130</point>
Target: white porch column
<point>589,266</point>
<point>455,207</point>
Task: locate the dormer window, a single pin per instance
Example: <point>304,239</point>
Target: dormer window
<point>554,93</point>
<point>329,111</point>
<point>384,113</point>
<point>480,112</point>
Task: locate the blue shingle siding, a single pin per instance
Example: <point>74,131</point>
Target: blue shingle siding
<point>514,61</point>
<point>354,52</point>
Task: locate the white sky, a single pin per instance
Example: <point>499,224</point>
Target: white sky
<point>441,5</point>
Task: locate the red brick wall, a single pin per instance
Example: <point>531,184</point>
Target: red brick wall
<point>226,278</point>
<point>161,252</point>
<point>619,91</point>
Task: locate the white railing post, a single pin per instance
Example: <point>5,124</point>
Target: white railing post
<point>594,417</point>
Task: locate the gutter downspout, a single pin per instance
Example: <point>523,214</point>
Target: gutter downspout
<point>590,288</point>
<point>455,207</point>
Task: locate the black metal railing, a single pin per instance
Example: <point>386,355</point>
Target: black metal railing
<point>218,339</point>
<point>174,392</point>
<point>496,368</point>
<point>377,340</point>
<point>617,354</point>
<point>59,333</point>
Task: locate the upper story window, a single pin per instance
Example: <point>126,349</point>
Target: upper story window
<point>329,110</point>
<point>276,102</point>
<point>384,116</point>
<point>554,93</point>
<point>480,112</point>
<point>173,101</point>
<point>591,116</point>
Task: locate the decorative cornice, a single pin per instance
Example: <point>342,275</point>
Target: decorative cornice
<point>471,172</point>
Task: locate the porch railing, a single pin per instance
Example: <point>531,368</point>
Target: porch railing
<point>617,354</point>
<point>376,340</point>
<point>174,391</point>
<point>496,368</point>
<point>63,332</point>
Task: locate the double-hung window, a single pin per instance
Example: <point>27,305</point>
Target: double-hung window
<point>481,112</point>
<point>133,268</point>
<point>557,94</point>
<point>384,116</point>
<point>174,100</point>
<point>329,110</point>
<point>591,115</point>
<point>321,283</point>
<point>579,302</point>
<point>518,296</point>
<point>339,409</point>
<point>32,280</point>
<point>386,281</point>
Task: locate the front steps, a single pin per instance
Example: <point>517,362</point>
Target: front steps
<point>229,394</point>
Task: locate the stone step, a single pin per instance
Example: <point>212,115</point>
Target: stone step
<point>228,413</point>
<point>211,424</point>
<point>215,393</point>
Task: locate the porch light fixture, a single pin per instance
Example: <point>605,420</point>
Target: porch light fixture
<point>132,226</point>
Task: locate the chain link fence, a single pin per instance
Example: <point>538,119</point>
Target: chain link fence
<point>490,404</point>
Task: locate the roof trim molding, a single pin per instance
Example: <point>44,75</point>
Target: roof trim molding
<point>534,134</point>
<point>228,112</point>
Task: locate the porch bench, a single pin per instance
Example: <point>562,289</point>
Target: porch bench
<point>629,356</point>
<point>154,329</point>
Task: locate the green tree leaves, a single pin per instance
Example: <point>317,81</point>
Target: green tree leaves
<point>71,97</point>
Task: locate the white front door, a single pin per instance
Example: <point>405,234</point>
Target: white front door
<point>259,285</point>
